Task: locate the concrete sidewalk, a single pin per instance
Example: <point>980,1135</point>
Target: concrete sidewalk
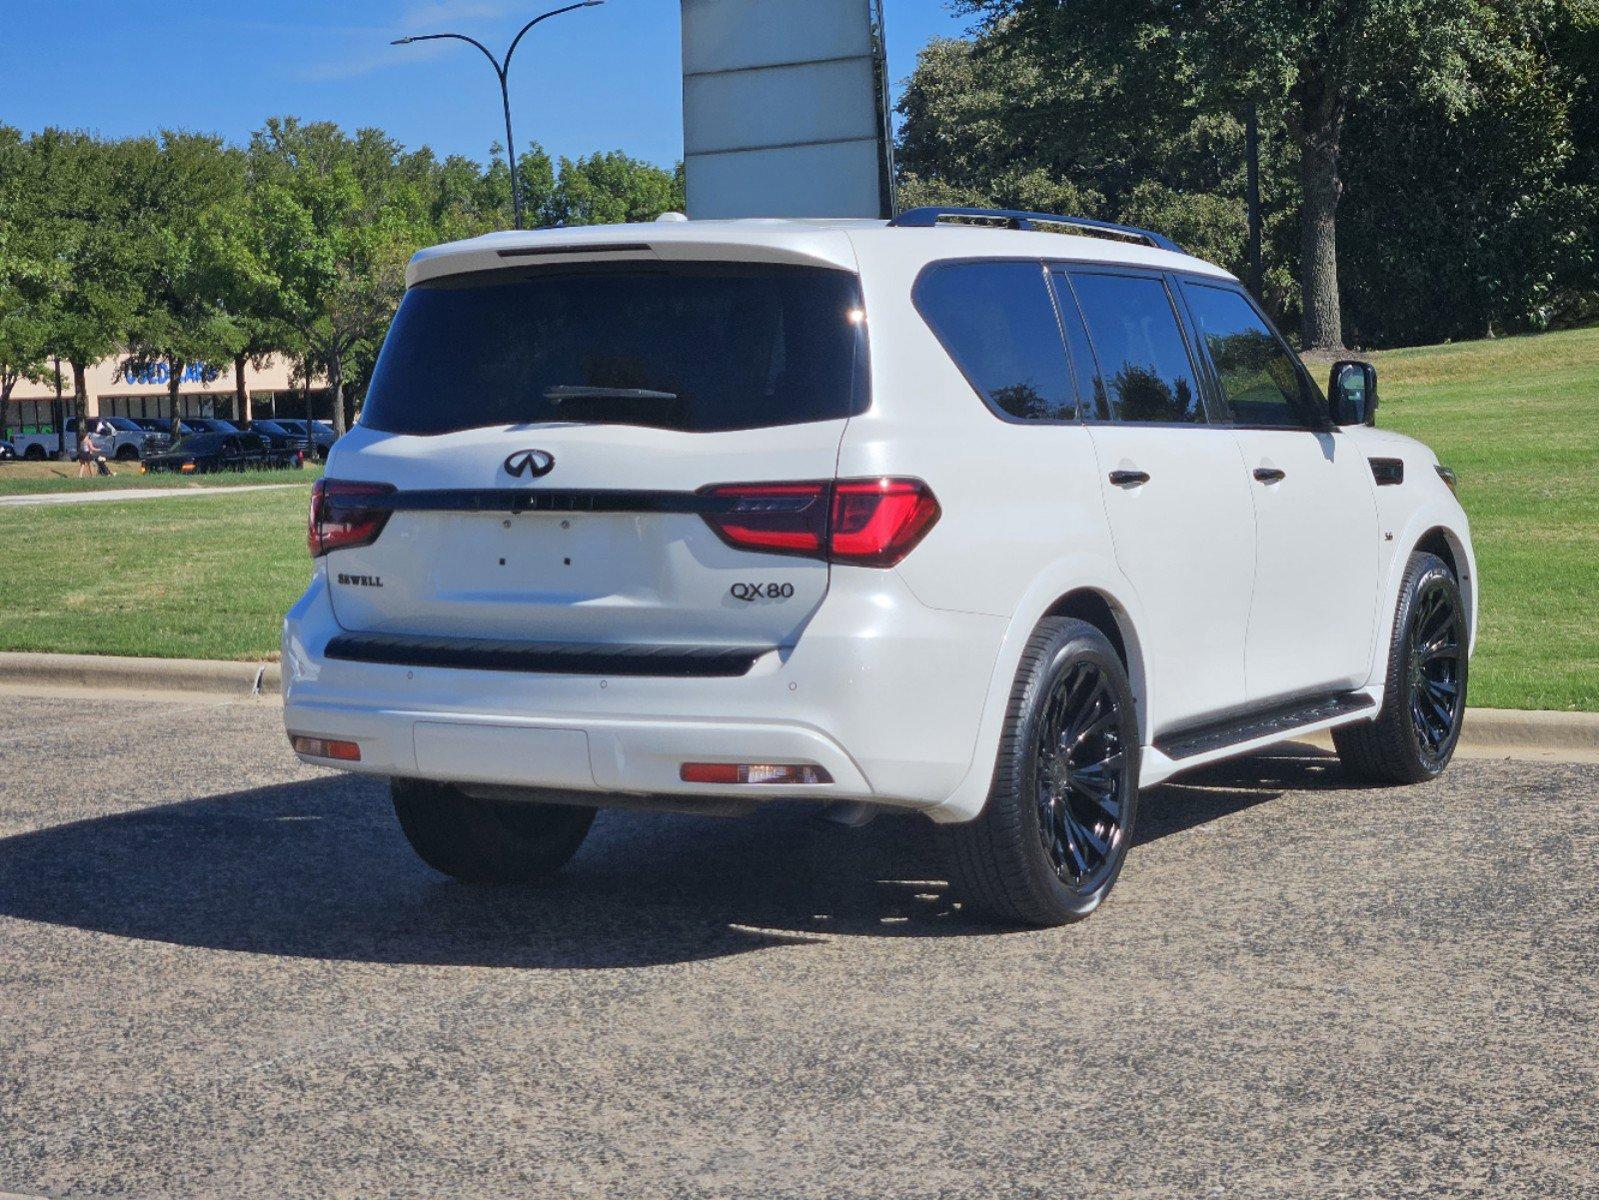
<point>1488,733</point>
<point>35,499</point>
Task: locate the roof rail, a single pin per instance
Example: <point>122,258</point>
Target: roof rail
<point>926,218</point>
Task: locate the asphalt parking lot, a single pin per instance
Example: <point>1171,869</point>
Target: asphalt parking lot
<point>223,974</point>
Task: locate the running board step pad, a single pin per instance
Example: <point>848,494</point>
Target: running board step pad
<point>1283,718</point>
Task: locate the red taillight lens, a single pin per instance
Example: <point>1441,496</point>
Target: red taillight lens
<point>877,522</point>
<point>343,515</point>
<point>783,518</point>
<point>865,522</point>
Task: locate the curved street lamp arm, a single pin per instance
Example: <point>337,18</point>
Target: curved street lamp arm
<point>459,37</point>
<point>543,17</point>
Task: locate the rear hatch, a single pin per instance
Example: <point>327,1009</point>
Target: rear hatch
<point>550,434</point>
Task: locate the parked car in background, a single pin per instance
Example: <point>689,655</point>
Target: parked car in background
<point>207,453</point>
<point>163,425</point>
<point>120,438</point>
<point>279,436</point>
<point>320,433</point>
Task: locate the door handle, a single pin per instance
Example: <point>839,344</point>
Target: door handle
<point>1129,478</point>
<point>1270,475</point>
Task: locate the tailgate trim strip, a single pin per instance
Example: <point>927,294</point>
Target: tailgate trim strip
<point>520,500</point>
<point>546,658</point>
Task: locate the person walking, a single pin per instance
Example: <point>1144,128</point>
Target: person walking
<point>91,457</point>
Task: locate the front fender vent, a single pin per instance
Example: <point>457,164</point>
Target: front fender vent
<point>1388,472</point>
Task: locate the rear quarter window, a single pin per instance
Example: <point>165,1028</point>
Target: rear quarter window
<point>996,320</point>
<point>699,348</point>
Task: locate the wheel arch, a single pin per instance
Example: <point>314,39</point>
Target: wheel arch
<point>1433,529</point>
<point>1088,590</point>
<point>1102,612</point>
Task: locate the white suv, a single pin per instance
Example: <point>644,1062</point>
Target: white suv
<point>957,514</point>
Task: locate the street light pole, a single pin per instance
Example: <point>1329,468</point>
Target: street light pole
<point>501,72</point>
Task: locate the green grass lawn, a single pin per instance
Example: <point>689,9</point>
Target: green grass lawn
<point>198,577</point>
<point>26,478</point>
<point>1518,418</point>
<point>210,577</point>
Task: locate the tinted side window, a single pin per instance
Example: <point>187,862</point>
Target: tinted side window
<point>1143,358</point>
<point>997,322</point>
<point>1259,378</point>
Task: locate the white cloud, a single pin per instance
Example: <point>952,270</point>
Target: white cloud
<point>368,49</point>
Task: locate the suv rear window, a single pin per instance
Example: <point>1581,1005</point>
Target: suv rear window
<point>699,348</point>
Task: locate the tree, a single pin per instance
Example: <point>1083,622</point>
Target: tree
<point>183,181</point>
<point>1485,221</point>
<point>1000,121</point>
<point>607,189</point>
<point>24,289</point>
<point>88,200</point>
<point>1306,61</point>
<point>333,220</point>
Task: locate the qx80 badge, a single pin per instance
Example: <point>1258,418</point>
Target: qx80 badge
<point>533,463</point>
<point>751,592</point>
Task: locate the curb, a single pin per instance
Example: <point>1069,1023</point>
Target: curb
<point>106,673</point>
<point>1495,727</point>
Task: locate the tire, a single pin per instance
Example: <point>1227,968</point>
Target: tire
<point>1030,857</point>
<point>1413,737</point>
<point>127,453</point>
<point>34,453</point>
<point>479,841</point>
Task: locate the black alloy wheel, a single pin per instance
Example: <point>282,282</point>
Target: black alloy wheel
<point>1435,672</point>
<point>1051,840</point>
<point>1413,737</point>
<point>1080,788</point>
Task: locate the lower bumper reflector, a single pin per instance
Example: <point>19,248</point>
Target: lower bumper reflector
<point>752,773</point>
<point>315,747</point>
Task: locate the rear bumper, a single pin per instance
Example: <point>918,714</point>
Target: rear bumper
<point>882,692</point>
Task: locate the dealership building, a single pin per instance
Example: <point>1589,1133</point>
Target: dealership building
<point>113,389</point>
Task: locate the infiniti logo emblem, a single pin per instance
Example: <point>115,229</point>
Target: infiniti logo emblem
<point>537,463</point>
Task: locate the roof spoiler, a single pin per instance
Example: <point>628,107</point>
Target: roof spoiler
<point>927,218</point>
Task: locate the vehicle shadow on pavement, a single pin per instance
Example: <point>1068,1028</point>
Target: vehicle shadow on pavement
<point>319,869</point>
<point>1210,793</point>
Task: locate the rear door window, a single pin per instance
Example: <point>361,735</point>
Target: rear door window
<point>1259,378</point>
<point>697,347</point>
<point>1144,364</point>
<point>996,320</point>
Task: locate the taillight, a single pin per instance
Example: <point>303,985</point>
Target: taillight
<point>342,515</point>
<point>783,518</point>
<point>877,522</point>
<point>865,522</point>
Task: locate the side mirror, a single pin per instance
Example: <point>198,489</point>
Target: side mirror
<point>1352,393</point>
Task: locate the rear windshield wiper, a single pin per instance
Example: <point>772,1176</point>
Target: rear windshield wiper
<point>577,392</point>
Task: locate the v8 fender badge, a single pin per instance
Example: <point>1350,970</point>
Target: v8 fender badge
<point>361,580</point>
<point>534,463</point>
<point>751,592</point>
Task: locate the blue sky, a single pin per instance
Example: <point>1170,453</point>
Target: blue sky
<point>597,79</point>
